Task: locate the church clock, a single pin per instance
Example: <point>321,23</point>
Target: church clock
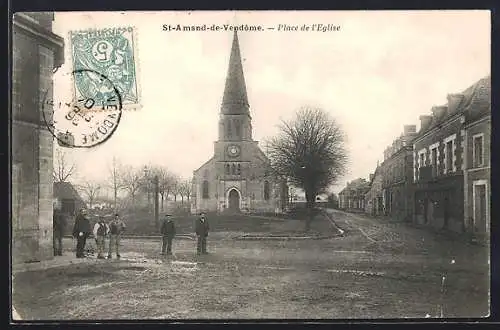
<point>233,150</point>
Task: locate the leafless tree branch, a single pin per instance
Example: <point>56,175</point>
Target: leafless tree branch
<point>63,168</point>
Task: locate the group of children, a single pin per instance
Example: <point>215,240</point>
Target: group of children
<point>113,230</point>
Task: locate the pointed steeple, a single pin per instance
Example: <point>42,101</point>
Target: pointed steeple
<point>235,100</point>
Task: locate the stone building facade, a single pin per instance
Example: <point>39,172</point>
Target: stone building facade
<point>352,197</point>
<point>37,52</point>
<point>374,203</point>
<point>237,178</point>
<point>440,162</point>
<point>477,161</point>
<point>397,173</point>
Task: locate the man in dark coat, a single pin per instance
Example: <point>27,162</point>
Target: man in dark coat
<point>167,231</point>
<point>81,232</point>
<point>59,224</point>
<point>202,233</point>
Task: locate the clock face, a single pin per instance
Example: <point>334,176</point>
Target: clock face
<point>233,151</point>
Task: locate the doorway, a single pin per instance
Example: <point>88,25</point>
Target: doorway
<point>480,208</point>
<point>234,200</point>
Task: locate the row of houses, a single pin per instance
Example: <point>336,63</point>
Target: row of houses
<point>438,176</point>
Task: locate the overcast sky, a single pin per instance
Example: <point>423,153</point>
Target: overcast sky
<point>379,72</point>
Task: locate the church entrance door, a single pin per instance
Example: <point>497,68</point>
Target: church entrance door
<point>234,200</point>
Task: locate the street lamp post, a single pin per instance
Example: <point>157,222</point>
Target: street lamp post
<point>148,188</point>
<point>156,186</point>
<point>156,201</point>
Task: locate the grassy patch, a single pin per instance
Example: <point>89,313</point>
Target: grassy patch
<point>185,224</point>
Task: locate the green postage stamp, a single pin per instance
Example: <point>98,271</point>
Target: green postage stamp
<point>109,53</point>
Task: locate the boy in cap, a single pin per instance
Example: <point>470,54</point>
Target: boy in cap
<point>101,230</point>
<point>167,231</point>
<point>116,228</point>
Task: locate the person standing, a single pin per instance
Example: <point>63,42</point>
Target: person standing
<point>81,231</point>
<point>202,233</point>
<point>116,228</point>
<point>101,230</point>
<point>167,231</point>
<point>59,225</point>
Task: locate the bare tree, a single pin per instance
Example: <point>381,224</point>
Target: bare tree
<point>174,186</point>
<point>310,152</point>
<point>114,179</point>
<point>132,179</point>
<point>64,167</point>
<point>166,181</point>
<point>188,189</point>
<point>90,190</point>
<point>184,190</point>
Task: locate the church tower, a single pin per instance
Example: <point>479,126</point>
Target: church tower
<point>236,178</point>
<point>235,120</point>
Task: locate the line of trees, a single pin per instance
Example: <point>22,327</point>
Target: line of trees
<point>120,178</point>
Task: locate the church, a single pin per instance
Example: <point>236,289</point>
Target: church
<point>237,178</point>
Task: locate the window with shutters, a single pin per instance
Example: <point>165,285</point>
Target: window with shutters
<point>434,156</point>
<point>449,156</point>
<point>478,150</point>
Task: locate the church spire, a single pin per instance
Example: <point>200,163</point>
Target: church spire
<point>235,99</point>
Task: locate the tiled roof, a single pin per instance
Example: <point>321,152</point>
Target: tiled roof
<point>476,99</point>
<point>65,190</point>
<point>356,184</point>
<point>480,102</point>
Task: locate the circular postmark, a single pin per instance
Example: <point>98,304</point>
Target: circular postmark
<point>89,120</point>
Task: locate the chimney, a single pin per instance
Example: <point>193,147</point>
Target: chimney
<point>371,177</point>
<point>439,111</point>
<point>454,101</point>
<point>425,121</point>
<point>409,130</point>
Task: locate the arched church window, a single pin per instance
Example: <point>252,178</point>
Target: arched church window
<point>239,169</point>
<point>228,169</point>
<point>266,190</point>
<point>237,127</point>
<point>205,190</point>
<point>233,169</point>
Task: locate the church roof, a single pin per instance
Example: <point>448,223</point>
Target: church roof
<point>204,164</point>
<point>235,100</point>
<point>65,190</point>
